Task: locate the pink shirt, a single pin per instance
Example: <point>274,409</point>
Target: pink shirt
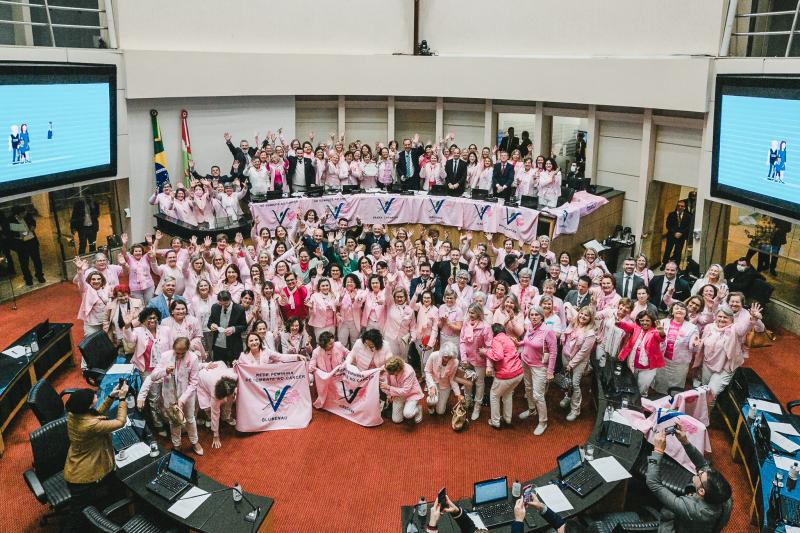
<point>185,372</point>
<point>363,358</point>
<point>322,313</point>
<point>427,325</point>
<point>473,338</point>
<point>450,314</point>
<point>350,306</point>
<point>139,277</point>
<point>578,345</point>
<point>143,339</point>
<point>207,379</point>
<point>535,342</point>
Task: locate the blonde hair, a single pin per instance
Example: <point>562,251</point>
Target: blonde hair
<point>394,364</point>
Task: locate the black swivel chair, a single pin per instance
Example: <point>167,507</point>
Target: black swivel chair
<point>625,521</point>
<point>101,521</point>
<point>99,353</point>
<point>566,196</point>
<point>49,444</point>
<point>45,402</point>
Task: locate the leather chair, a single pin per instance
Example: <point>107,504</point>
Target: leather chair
<point>49,444</point>
<point>673,476</point>
<point>791,405</point>
<point>566,196</point>
<point>45,402</point>
<point>99,353</point>
<point>625,521</point>
<point>101,521</point>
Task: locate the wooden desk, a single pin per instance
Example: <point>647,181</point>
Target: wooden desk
<point>17,376</point>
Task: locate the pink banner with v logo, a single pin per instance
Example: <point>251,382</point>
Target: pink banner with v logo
<point>350,393</point>
<point>274,396</point>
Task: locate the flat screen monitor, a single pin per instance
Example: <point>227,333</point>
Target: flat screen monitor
<point>756,152</point>
<point>59,123</point>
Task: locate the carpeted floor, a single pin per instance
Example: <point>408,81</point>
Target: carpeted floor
<point>335,476</point>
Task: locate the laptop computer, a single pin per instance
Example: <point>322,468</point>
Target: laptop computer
<point>531,202</point>
<point>490,501</point>
<point>790,510</point>
<point>124,438</point>
<point>577,475</point>
<point>479,194</point>
<point>170,483</point>
<point>350,189</point>
<point>438,190</point>
<point>616,432</point>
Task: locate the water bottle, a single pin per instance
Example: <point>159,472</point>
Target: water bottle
<point>609,413</point>
<point>154,449</point>
<point>793,473</point>
<point>129,401</point>
<point>422,506</point>
<point>35,343</point>
<point>237,493</point>
<point>516,489</point>
<point>752,414</point>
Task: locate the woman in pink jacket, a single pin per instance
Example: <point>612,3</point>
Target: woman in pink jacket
<point>549,184</point>
<point>427,330</point>
<point>180,324</point>
<point>539,352</point>
<point>327,355</point>
<point>683,340</point>
<point>744,318</point>
<point>139,279</point>
<point>402,388</point>
<point>94,299</point>
<point>579,341</point>
<point>257,354</point>
<point>177,371</point>
<point>216,392</point>
<point>440,378</point>
<point>507,375</point>
<point>351,301</point>
<point>373,316</point>
<point>451,318</point>
<point>400,322</point>
<point>369,351</point>
<point>322,306</point>
<point>476,337</point>
<point>644,348</point>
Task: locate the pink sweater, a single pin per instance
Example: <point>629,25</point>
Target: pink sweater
<point>503,352</point>
<point>327,360</point>
<point>437,375</point>
<point>535,342</point>
<point>473,338</point>
<point>207,379</point>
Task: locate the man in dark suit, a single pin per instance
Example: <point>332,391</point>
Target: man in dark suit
<point>216,174</point>
<point>502,177</point>
<point>627,283</point>
<point>242,154</point>
<point>163,301</point>
<point>445,270</point>
<point>669,281</point>
<point>679,224</point>
<point>581,296</point>
<point>534,260</point>
<point>408,163</point>
<point>84,222</point>
<point>377,235</point>
<point>227,322</point>
<point>741,276</point>
<point>455,171</point>
<point>425,279</point>
<point>525,144</point>
<point>301,171</point>
<point>509,143</point>
<point>508,272</point>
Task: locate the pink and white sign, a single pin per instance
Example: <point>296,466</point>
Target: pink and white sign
<point>350,393</point>
<point>274,396</point>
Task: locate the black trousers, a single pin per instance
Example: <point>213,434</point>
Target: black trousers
<point>83,495</point>
<point>410,184</point>
<point>223,354</point>
<point>674,249</point>
<point>87,235</point>
<point>29,251</point>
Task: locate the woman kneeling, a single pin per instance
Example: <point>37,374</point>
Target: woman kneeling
<point>403,390</point>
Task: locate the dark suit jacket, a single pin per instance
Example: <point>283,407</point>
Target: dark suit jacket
<point>657,284</point>
<point>458,178</point>
<point>683,227</point>
<point>369,239</point>
<point>502,178</point>
<point>539,271</point>
<point>416,153</point>
<point>525,147</point>
<point>236,320</point>
<point>222,178</point>
<point>79,212</point>
<point>160,304</point>
<point>239,155</point>
<point>636,282</point>
<point>442,270</point>
<point>502,274</point>
<point>509,144</point>
<point>309,166</point>
<point>416,281</point>
<point>741,281</point>
<point>572,298</point>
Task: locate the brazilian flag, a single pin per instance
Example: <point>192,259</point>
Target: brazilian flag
<point>159,157</point>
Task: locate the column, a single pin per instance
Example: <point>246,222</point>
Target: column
<point>592,144</point>
<point>341,116</point>
<point>488,124</point>
<point>439,119</point>
<point>646,159</point>
<point>390,119</point>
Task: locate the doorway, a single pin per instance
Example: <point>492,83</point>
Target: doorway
<point>662,199</point>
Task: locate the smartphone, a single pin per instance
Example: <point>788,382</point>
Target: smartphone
<point>442,498</point>
<point>670,430</point>
<point>527,492</point>
<point>121,382</point>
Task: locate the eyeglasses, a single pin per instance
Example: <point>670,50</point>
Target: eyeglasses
<point>700,473</point>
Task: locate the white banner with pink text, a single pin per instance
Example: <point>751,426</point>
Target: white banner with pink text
<point>350,393</point>
<point>273,396</point>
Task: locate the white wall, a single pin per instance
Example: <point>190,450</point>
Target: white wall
<point>320,120</point>
<point>407,122</point>
<point>556,27</point>
<point>618,163</point>
<point>208,120</point>
<point>677,158</point>
<point>366,124</point>
<point>467,126</point>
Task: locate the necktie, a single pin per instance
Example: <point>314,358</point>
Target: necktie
<point>504,168</point>
<point>625,292</point>
<point>680,217</point>
<point>453,271</point>
<point>455,166</point>
<point>666,286</point>
<point>169,303</point>
<point>409,167</point>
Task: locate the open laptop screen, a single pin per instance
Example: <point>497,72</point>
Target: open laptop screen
<point>491,490</point>
<point>569,461</point>
<point>181,465</point>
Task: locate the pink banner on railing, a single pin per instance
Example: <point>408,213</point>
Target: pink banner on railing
<point>350,393</point>
<point>274,396</point>
<point>519,223</point>
<point>568,216</point>
<point>480,216</point>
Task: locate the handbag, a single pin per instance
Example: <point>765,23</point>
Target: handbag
<point>174,412</point>
<point>459,420</point>
<point>563,380</point>
<point>760,339</point>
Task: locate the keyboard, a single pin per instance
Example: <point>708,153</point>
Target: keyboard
<point>170,482</point>
<point>496,509</point>
<point>124,438</point>
<point>619,433</point>
<point>579,477</point>
<point>790,511</point>
<point>583,481</point>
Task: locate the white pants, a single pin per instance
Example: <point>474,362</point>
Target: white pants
<point>503,391</point>
<point>403,408</point>
<point>348,333</point>
<point>88,329</point>
<point>535,379</point>
<point>153,397</point>
<point>547,201</point>
<point>424,354</point>
<point>190,425</point>
<point>716,381</point>
<point>644,378</point>
<point>480,385</point>
<point>577,396</point>
<point>443,396</point>
<point>672,374</point>
<point>399,348</point>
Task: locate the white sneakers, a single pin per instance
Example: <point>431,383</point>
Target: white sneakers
<point>564,403</point>
<point>540,428</point>
<point>572,416</point>
<point>524,415</point>
<point>495,425</point>
<point>476,412</point>
<point>418,416</point>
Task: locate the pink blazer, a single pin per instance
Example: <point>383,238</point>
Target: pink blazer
<point>440,376</point>
<point>373,302</point>
<point>503,352</point>
<point>653,345</point>
<point>350,306</point>
<point>322,313</point>
<point>363,358</point>
<point>186,371</point>
<point>207,379</point>
<point>140,337</point>
<point>404,384</point>
<point>472,339</point>
<point>327,361</point>
<point>535,342</point>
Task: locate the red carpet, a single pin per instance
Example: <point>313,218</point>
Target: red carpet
<point>335,476</point>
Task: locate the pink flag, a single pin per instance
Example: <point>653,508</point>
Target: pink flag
<point>274,396</point>
<point>350,393</point>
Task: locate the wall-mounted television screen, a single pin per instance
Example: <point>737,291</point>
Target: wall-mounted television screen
<point>59,123</point>
<point>756,153</point>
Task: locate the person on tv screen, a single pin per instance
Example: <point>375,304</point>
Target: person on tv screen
<point>13,144</point>
<point>773,157</point>
<point>24,144</point>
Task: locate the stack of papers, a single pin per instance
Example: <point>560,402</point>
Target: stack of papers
<point>476,519</point>
<point>782,427</point>
<point>189,502</point>
<point>120,369</point>
<point>763,405</point>
<point>554,498</point>
<point>15,351</point>
<point>783,443</point>
<point>610,469</point>
<point>783,462</point>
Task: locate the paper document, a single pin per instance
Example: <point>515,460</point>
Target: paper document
<point>596,245</point>
<point>784,443</point>
<point>476,519</point>
<point>620,419</point>
<point>610,469</point>
<point>554,498</point>
<point>763,405</point>
<point>783,462</point>
<point>15,351</point>
<point>783,427</point>
<point>132,453</point>
<point>189,502</point>
<point>792,529</point>
<point>118,368</point>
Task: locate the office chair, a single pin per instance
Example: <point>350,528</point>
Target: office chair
<point>566,196</point>
<point>625,521</point>
<point>99,353</point>
<point>45,402</point>
<point>791,405</point>
<point>49,444</point>
<point>101,521</point>
<point>673,476</point>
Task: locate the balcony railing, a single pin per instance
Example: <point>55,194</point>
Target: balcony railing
<point>763,33</point>
<point>83,24</point>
